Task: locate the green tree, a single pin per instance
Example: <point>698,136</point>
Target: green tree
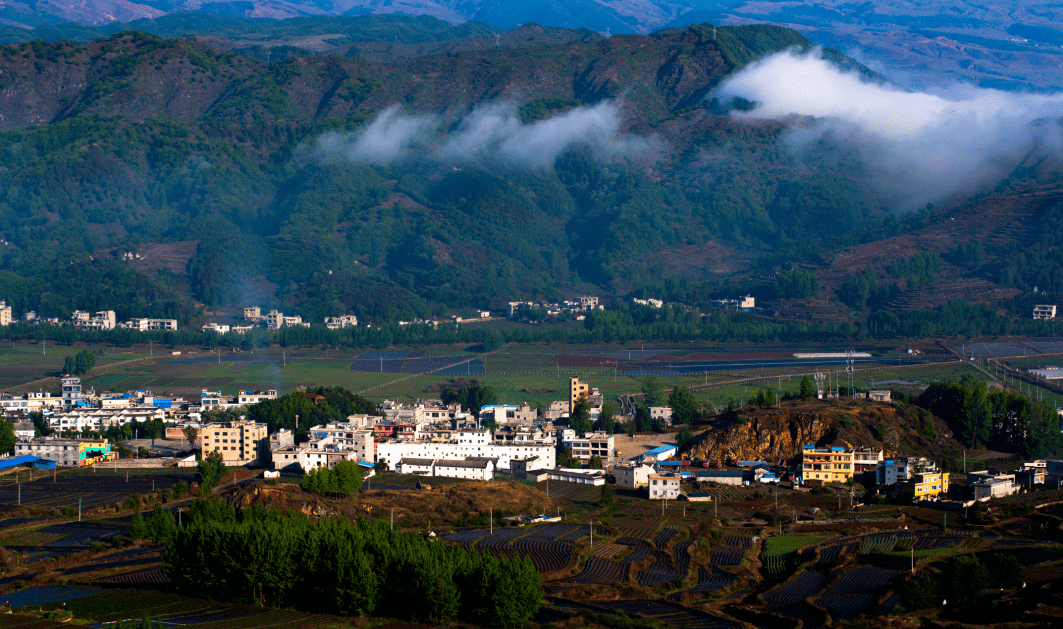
<point>7,436</point>
<point>606,418</point>
<point>137,528</point>
<point>807,388</point>
<point>965,577</point>
<point>683,404</point>
<point>348,477</point>
<point>920,593</point>
<point>209,472</point>
<point>190,433</point>
<point>684,439</point>
<point>161,526</point>
<point>595,462</point>
<point>1005,570</point>
<point>652,390</point>
<point>580,418</point>
<point>492,341</point>
<point>565,458</point>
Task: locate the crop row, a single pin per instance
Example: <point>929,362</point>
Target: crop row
<point>845,606</point>
<point>726,556</point>
<point>806,584</point>
<point>601,571</point>
<point>863,580</point>
<point>147,576</point>
<point>50,594</point>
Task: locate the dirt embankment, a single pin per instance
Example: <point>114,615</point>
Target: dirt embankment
<point>440,506</point>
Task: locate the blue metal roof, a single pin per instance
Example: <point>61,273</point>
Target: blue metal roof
<point>659,450</point>
<point>26,459</point>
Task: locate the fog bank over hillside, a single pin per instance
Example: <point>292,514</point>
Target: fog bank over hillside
<point>918,146</point>
<point>491,134</point>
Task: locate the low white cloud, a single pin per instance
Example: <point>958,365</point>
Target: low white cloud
<point>390,136</point>
<point>490,134</point>
<point>495,133</point>
<point>918,146</point>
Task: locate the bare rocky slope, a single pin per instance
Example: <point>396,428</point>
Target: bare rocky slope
<point>776,434</point>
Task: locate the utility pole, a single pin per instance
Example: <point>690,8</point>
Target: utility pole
<point>592,532</point>
<point>79,509</point>
<point>913,559</point>
<point>393,518</point>
<point>491,511</point>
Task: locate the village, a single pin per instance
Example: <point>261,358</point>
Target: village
<point>430,438</point>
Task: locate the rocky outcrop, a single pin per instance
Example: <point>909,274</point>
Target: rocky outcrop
<point>769,436</point>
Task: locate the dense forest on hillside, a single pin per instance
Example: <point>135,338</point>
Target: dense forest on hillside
<point>460,180</point>
<point>152,140</point>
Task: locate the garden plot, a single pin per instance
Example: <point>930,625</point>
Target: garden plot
<point>854,591</point>
<point>709,579</point>
<point>776,556</point>
<point>43,595</point>
<point>806,584</point>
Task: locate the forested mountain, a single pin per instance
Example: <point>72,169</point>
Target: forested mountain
<point>1011,45</point>
<point>140,171</point>
<point>267,172</point>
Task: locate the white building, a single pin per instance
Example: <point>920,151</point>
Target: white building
<point>99,419</point>
<point>632,475</point>
<point>217,328</point>
<point>663,486</point>
<point>663,413</point>
<point>5,313</point>
<point>102,320</point>
<point>1044,311</point>
<point>580,477</point>
<point>472,468</point>
<point>463,445</point>
<point>340,322</point>
<point>597,444</point>
<point>146,325</point>
<point>306,457</point>
<point>243,398</point>
<point>343,437</point>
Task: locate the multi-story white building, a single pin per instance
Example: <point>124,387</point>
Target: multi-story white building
<point>102,320</point>
<point>254,314</point>
<point>597,444</point>
<point>146,325</point>
<point>503,414</point>
<point>632,475</point>
<point>274,320</point>
<point>243,398</point>
<point>5,313</point>
<point>663,486</point>
<point>464,445</point>
<point>345,437</point>
<point>71,386</point>
<point>340,322</point>
<point>217,328</point>
<point>99,419</point>
<point>306,457</point>
<point>31,402</point>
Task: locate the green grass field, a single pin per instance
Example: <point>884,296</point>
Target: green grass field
<point>518,373</point>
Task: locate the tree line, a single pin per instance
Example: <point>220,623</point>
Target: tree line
<point>997,419</point>
<point>263,557</point>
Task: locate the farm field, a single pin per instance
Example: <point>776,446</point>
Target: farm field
<point>534,373</point>
<point>665,564</point>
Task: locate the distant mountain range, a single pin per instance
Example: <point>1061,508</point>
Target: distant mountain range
<point>1008,45</point>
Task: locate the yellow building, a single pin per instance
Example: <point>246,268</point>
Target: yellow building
<point>576,390</point>
<point>238,442</point>
<point>927,484</point>
<point>829,465</point>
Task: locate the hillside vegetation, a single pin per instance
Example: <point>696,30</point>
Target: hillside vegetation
<point>117,144</point>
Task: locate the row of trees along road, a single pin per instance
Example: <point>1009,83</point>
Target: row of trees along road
<point>263,557</point>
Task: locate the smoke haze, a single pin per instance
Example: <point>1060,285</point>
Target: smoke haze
<point>917,146</point>
<point>491,133</point>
